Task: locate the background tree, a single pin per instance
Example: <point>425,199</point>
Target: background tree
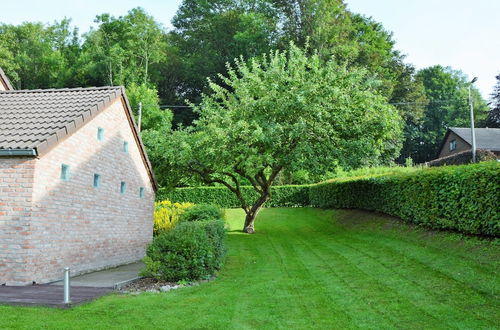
<point>209,34</point>
<point>156,125</point>
<point>122,50</point>
<point>282,111</point>
<point>39,56</point>
<point>447,94</point>
<point>493,119</point>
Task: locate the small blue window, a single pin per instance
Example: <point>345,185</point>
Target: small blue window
<point>141,192</point>
<point>100,134</point>
<point>123,187</point>
<point>64,172</point>
<point>125,147</point>
<point>97,180</point>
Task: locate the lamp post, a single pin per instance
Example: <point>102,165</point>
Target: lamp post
<point>473,133</point>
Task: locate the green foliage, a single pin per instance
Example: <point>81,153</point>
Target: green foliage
<point>203,212</point>
<point>153,118</point>
<point>447,93</point>
<point>374,171</point>
<point>190,251</point>
<point>289,196</point>
<point>462,198</point>
<point>35,55</point>
<point>122,50</point>
<point>493,119</point>
<point>287,110</point>
<point>209,34</point>
<point>156,124</point>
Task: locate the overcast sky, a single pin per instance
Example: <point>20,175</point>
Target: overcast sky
<point>463,34</point>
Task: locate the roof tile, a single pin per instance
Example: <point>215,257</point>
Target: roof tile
<point>29,118</point>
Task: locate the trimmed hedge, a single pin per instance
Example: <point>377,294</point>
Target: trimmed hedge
<point>284,196</point>
<point>202,212</point>
<point>463,198</point>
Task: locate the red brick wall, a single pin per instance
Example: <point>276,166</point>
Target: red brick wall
<point>75,225</point>
<point>16,184</point>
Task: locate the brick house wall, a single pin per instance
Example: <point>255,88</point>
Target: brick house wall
<point>74,224</point>
<point>461,145</point>
<point>16,186</point>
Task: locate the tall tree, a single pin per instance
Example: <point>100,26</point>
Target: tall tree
<point>35,55</point>
<point>286,110</point>
<point>493,119</point>
<point>209,34</point>
<point>447,94</point>
<point>122,50</point>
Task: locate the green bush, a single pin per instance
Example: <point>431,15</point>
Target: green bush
<point>216,235</point>
<point>281,196</point>
<point>190,251</point>
<point>462,198</point>
<point>202,212</point>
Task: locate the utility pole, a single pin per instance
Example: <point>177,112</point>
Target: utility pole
<point>473,133</point>
<point>140,115</point>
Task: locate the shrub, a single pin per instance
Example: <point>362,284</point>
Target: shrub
<point>190,251</point>
<point>167,214</point>
<point>216,235</point>
<point>202,212</point>
<point>462,198</point>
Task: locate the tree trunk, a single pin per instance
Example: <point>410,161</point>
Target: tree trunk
<point>252,214</point>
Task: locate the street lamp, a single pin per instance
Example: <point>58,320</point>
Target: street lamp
<point>473,133</point>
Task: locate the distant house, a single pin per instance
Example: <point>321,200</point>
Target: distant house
<point>76,185</point>
<point>459,140</point>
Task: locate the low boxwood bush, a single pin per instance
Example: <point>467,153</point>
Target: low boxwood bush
<point>461,198</point>
<point>190,251</point>
<point>202,212</point>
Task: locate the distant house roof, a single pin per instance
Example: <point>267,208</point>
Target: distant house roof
<point>5,81</point>
<point>486,138</point>
<point>33,121</point>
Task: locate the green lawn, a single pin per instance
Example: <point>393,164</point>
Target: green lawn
<point>310,268</point>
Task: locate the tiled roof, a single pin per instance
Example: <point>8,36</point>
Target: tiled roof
<point>36,120</point>
<point>31,118</point>
<point>486,138</point>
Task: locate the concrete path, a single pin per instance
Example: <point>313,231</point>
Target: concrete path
<point>83,288</point>
<point>109,278</point>
<point>48,295</point>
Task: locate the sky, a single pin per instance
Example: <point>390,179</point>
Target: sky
<point>463,34</point>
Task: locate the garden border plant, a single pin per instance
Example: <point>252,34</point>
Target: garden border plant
<point>191,249</point>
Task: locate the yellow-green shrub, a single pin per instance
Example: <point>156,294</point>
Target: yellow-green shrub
<point>167,215</point>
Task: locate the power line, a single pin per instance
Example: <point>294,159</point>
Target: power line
<point>424,103</point>
<point>391,103</point>
<point>175,106</point>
